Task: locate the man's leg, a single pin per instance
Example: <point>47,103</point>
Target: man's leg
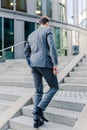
<point>53,84</point>
<point>39,89</point>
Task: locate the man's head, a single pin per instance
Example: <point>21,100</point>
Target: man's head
<point>44,21</point>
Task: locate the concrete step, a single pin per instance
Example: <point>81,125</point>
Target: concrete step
<point>80,80</point>
<point>74,87</point>
<point>17,84</point>
<point>17,63</point>
<point>13,93</point>
<point>78,74</point>
<point>80,68</point>
<point>84,59</point>
<point>4,104</point>
<point>2,69</point>
<point>16,78</point>
<point>16,73</point>
<point>9,96</point>
<point>55,115</point>
<point>25,78</point>
<point>9,129</point>
<point>82,63</point>
<point>14,89</point>
<point>26,123</point>
<point>18,70</point>
<point>67,103</point>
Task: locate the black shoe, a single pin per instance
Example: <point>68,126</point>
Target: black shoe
<point>38,123</point>
<point>41,116</point>
<point>39,113</point>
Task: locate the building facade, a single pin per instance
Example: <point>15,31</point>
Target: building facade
<point>18,18</point>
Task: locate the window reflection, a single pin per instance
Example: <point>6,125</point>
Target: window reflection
<point>75,43</point>
<point>82,13</point>
<point>62,7</point>
<point>21,5</point>
<point>9,37</point>
<point>39,7</point>
<point>70,11</point>
<point>57,38</point>
<point>61,41</point>
<point>63,2</point>
<point>7,4</point>
<point>29,27</point>
<point>0,36</point>
<point>49,8</point>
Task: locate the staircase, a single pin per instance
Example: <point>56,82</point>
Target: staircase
<point>77,79</point>
<point>65,107</point>
<point>62,113</point>
<point>16,80</point>
<point>11,80</point>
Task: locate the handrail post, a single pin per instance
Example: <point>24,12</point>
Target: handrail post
<point>3,58</point>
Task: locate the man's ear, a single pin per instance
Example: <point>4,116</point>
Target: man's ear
<point>47,24</point>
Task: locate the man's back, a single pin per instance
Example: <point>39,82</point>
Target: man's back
<point>39,42</point>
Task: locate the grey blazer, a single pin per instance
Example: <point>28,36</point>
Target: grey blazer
<point>40,50</point>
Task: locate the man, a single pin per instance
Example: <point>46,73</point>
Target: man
<point>41,56</point>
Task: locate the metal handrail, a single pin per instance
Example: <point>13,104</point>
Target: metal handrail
<point>12,46</point>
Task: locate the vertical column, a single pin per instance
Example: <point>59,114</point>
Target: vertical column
<point>31,6</point>
<point>19,37</point>
<point>69,42</point>
<point>14,5</point>
<point>86,11</point>
<point>75,12</point>
<point>3,53</point>
<point>46,8</point>
<point>0,3</point>
<point>44,11</point>
<point>83,43</point>
<point>55,9</point>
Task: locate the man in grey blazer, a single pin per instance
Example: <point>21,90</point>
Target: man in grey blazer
<point>40,53</point>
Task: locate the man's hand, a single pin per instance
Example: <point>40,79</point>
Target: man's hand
<point>55,70</point>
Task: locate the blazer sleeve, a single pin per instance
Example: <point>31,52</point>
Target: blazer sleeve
<point>52,47</point>
<point>27,52</point>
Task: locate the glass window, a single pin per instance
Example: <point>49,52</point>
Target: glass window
<point>80,11</point>
<point>62,12</point>
<point>29,27</point>
<point>57,38</point>
<point>0,36</point>
<point>61,40</point>
<point>21,5</point>
<point>49,8</point>
<point>63,2</point>
<point>7,4</point>
<point>70,11</point>
<point>39,7</point>
<point>75,43</point>
<point>9,37</point>
<point>84,4</point>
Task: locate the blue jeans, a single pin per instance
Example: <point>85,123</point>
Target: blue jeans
<point>51,79</point>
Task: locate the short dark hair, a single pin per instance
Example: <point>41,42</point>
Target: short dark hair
<point>43,20</point>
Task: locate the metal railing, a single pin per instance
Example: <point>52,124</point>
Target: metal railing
<point>3,50</point>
